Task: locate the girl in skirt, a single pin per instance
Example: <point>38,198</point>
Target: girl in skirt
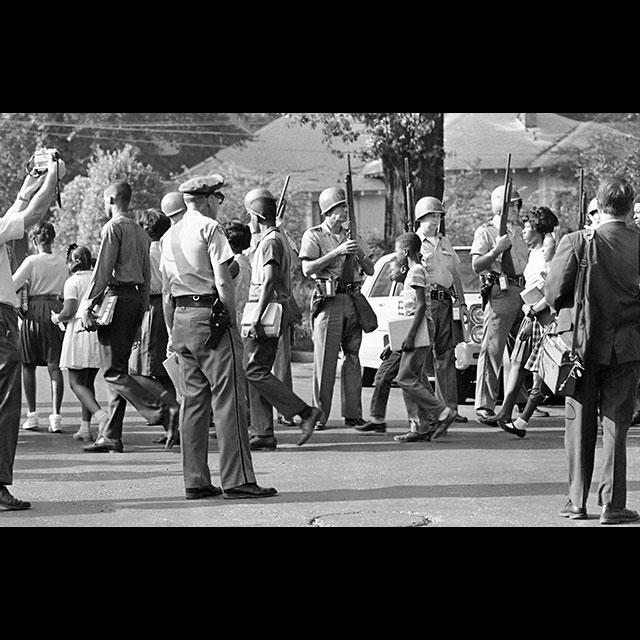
<point>43,276</point>
<point>80,349</point>
<point>539,223</point>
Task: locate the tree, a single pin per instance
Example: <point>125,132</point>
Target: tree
<point>82,215</point>
<point>392,137</point>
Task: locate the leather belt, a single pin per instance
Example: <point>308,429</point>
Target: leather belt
<point>124,287</point>
<point>50,297</point>
<point>345,288</point>
<point>194,301</point>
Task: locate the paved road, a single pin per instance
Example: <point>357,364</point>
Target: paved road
<point>476,476</point>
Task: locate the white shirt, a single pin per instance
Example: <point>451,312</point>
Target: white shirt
<point>11,228</point>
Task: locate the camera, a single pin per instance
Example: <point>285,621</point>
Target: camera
<point>40,160</point>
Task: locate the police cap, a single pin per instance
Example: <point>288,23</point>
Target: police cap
<point>202,186</point>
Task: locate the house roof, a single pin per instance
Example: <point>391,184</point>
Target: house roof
<point>480,140</point>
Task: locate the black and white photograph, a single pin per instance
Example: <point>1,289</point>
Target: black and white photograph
<point>320,320</point>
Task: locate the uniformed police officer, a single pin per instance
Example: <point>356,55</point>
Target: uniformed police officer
<point>503,303</point>
<point>196,279</point>
<point>323,253</point>
<point>441,262</point>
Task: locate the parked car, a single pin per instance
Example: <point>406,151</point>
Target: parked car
<point>384,297</point>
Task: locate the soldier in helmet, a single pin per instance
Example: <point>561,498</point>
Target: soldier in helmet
<point>200,313</point>
<point>502,294</point>
<point>323,252</point>
<point>270,282</point>
<point>173,206</point>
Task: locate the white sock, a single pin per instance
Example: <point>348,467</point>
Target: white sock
<point>84,426</point>
<point>99,415</point>
<point>445,413</point>
<point>520,424</point>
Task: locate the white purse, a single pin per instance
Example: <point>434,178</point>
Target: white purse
<point>271,320</point>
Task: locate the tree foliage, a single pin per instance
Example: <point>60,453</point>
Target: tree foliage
<point>83,215</point>
<point>391,137</point>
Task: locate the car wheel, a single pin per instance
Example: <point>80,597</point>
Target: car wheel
<point>368,376</point>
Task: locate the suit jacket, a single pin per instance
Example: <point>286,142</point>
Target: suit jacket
<point>610,318</point>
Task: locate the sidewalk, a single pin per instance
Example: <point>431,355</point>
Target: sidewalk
<point>476,476</point>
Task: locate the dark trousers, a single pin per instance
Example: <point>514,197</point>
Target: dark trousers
<point>609,390</point>
<point>386,374</point>
<point>444,352</point>
<point>265,390</point>
<point>10,391</point>
<point>116,341</point>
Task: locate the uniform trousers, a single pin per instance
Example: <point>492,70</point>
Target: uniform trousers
<point>212,378</point>
<point>416,388</point>
<point>266,391</point>
<point>500,314</point>
<point>608,390</point>
<point>282,364</point>
<point>116,341</point>
<point>444,351</point>
<point>10,390</point>
<point>334,327</point>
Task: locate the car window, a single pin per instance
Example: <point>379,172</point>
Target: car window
<point>382,284</point>
<point>470,279</point>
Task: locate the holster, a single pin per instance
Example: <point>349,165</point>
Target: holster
<point>219,322</point>
<point>317,303</point>
<point>488,282</point>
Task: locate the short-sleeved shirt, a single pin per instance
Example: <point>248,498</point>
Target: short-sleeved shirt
<point>536,269</point>
<point>439,258</point>
<point>417,277</point>
<point>155,281</point>
<point>319,241</point>
<point>273,247</point>
<point>11,228</point>
<point>241,284</point>
<point>76,287</point>
<point>485,239</point>
<point>189,249</point>
<point>42,274</point>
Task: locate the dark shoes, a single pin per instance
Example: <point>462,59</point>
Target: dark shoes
<point>163,440</point>
<point>574,513</point>
<point>372,427</point>
<point>9,503</point>
<point>354,422</point>
<point>443,425</point>
<point>635,420</point>
<point>412,436</point>
<point>509,427</point>
<point>263,443</point>
<point>105,445</point>
<point>202,492</point>
<point>611,515</point>
<point>461,419</point>
<point>308,424</point>
<point>250,490</point>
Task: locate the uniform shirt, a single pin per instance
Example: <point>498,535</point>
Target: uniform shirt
<point>42,274</point>
<point>11,228</point>
<point>417,277</point>
<point>155,280</point>
<point>189,249</point>
<point>484,241</point>
<point>439,258</point>
<point>76,287</point>
<point>123,258</point>
<point>319,241</point>
<point>273,247</point>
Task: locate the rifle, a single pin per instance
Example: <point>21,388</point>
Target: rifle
<point>348,271</point>
<point>582,215</point>
<point>410,198</point>
<point>282,203</point>
<point>507,260</point>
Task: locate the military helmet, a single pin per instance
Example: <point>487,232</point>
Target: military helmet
<point>497,196</point>
<point>172,203</point>
<point>330,199</point>
<point>428,205</point>
<point>260,192</point>
<point>593,207</point>
<point>264,207</point>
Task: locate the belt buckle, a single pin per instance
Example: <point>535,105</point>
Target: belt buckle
<point>195,298</point>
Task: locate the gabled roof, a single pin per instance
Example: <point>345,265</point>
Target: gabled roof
<point>480,140</point>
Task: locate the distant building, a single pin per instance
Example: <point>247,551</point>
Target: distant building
<point>478,141</point>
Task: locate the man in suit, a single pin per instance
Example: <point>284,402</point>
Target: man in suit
<point>609,344</point>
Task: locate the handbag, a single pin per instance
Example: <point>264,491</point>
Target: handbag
<point>560,365</point>
<point>367,318</point>
<point>271,320</point>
